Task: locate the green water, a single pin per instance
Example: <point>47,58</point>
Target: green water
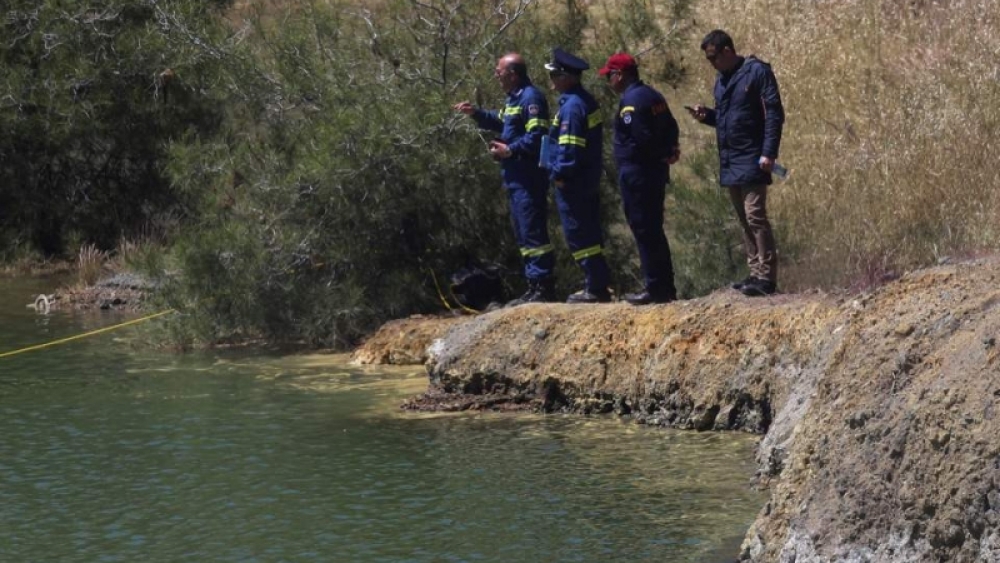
<point>112,454</point>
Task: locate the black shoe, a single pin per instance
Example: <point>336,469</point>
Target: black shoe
<point>744,282</point>
<point>546,291</point>
<point>528,297</point>
<point>538,292</point>
<point>759,288</point>
<point>585,296</point>
<point>647,297</point>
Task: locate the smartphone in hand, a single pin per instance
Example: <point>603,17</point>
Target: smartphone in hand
<point>698,112</point>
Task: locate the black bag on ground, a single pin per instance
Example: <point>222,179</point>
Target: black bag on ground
<point>476,287</point>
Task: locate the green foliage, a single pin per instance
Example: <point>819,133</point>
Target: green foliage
<point>89,98</point>
<point>654,32</point>
<point>304,155</point>
<point>344,183</point>
<point>303,159</point>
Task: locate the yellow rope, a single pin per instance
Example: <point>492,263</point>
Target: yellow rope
<point>168,311</point>
<point>84,335</point>
<point>445,301</point>
<point>464,308</point>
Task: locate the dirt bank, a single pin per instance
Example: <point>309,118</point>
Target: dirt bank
<point>878,410</point>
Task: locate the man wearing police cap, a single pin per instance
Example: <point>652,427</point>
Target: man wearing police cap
<point>646,144</point>
<point>575,166</point>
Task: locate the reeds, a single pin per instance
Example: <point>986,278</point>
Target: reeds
<point>90,262</point>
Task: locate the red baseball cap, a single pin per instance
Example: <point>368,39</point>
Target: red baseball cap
<point>618,61</point>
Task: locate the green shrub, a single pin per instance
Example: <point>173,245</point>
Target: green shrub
<point>89,99</point>
<point>344,183</point>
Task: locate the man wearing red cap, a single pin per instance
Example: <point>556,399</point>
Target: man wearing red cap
<point>645,145</point>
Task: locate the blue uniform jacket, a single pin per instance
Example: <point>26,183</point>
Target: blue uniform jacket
<point>576,139</point>
<point>646,133</point>
<point>522,123</point>
<point>748,117</point>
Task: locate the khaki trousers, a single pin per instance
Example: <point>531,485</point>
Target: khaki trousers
<point>750,203</point>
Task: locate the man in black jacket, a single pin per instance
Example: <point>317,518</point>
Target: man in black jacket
<point>748,117</point>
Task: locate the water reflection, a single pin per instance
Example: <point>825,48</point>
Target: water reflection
<point>112,455</point>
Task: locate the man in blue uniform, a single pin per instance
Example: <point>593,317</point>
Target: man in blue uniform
<point>522,124</point>
<point>748,118</point>
<point>575,167</point>
<point>646,144</point>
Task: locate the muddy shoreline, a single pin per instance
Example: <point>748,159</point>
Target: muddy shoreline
<point>118,292</point>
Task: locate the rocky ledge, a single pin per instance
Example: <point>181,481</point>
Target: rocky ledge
<point>878,411</point>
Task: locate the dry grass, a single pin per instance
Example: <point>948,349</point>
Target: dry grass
<point>892,113</point>
<point>130,253</point>
<point>34,266</point>
<point>93,263</point>
<point>90,264</point>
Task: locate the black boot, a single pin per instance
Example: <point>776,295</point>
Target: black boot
<point>744,282</point>
<point>587,296</point>
<point>539,291</point>
<point>759,288</point>
<point>546,291</point>
<point>647,297</point>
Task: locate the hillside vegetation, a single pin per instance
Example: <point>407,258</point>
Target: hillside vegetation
<point>893,109</point>
<point>294,171</point>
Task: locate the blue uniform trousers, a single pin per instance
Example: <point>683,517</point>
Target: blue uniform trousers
<point>529,207</point>
<point>580,211</point>
<point>643,190</point>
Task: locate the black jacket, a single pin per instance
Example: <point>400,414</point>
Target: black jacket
<point>748,118</point>
<point>646,133</point>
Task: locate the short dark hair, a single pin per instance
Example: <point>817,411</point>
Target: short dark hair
<point>718,39</point>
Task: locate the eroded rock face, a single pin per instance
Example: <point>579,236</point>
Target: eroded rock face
<point>878,411</point>
<point>403,341</point>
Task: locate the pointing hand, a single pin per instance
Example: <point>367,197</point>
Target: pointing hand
<point>464,107</point>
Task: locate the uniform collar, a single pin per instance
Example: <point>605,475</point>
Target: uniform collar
<point>520,89</point>
<point>575,90</point>
<point>634,85</point>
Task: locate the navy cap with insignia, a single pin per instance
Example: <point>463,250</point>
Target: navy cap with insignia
<point>566,62</point>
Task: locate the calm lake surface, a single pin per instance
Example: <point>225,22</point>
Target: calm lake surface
<point>112,453</point>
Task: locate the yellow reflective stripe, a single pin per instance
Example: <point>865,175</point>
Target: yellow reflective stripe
<point>587,252</point>
<point>626,109</point>
<point>512,110</point>
<point>555,122</point>
<point>540,251</point>
<point>533,123</point>
<point>594,119</point>
<point>572,140</point>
